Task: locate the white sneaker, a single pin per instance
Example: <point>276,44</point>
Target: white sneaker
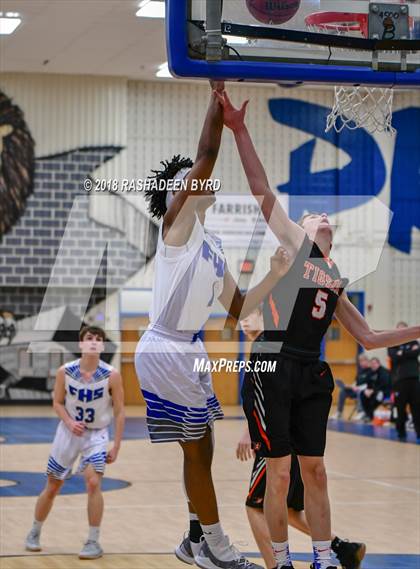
<point>360,416</point>
<point>32,541</point>
<point>206,560</point>
<point>91,550</point>
<point>184,551</point>
<point>337,416</point>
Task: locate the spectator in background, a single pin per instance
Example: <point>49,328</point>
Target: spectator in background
<point>7,327</point>
<point>10,326</point>
<point>353,391</point>
<point>378,388</point>
<point>406,386</point>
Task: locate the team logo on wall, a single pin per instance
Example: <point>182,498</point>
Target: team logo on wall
<point>16,163</point>
<point>363,178</point>
<point>44,202</point>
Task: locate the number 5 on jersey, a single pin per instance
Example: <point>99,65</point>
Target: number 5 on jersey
<point>320,307</point>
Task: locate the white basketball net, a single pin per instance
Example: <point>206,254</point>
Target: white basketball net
<point>362,107</point>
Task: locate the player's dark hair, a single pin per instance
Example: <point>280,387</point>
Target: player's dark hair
<point>95,330</point>
<point>157,197</point>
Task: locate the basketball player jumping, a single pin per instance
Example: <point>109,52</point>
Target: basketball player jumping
<point>190,275</point>
<point>349,554</point>
<point>289,408</point>
<point>87,393</point>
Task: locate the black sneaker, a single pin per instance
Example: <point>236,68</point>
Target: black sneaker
<point>349,554</point>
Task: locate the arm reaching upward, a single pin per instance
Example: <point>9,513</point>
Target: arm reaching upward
<point>180,216</point>
<point>370,339</point>
<point>287,231</point>
<point>240,305</point>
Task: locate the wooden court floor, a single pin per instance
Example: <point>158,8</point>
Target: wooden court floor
<point>374,491</point>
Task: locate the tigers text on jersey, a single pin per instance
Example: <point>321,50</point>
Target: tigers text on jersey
<point>300,307</point>
<point>89,401</point>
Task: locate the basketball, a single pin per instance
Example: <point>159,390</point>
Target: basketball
<point>273,11</point>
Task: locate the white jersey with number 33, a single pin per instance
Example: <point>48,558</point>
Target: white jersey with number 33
<point>89,401</point>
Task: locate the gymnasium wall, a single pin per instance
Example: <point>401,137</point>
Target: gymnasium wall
<point>111,128</point>
<point>166,119</point>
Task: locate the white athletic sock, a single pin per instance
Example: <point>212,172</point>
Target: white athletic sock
<point>218,542</point>
<point>37,526</point>
<point>193,517</point>
<point>195,548</point>
<point>282,553</point>
<point>322,554</point>
<point>93,533</point>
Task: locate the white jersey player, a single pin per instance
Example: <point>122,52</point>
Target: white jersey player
<point>191,273</point>
<point>88,393</point>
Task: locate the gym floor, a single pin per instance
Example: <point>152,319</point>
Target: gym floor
<point>373,481</point>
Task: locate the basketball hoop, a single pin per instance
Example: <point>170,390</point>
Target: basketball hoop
<point>362,107</point>
<point>354,106</point>
<point>338,23</point>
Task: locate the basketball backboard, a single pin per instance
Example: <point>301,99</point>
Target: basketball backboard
<point>325,41</point>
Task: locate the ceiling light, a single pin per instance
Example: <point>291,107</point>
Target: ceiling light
<point>9,21</point>
<point>151,9</point>
<point>163,71</point>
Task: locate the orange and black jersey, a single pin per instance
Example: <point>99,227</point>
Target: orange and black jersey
<point>300,308</point>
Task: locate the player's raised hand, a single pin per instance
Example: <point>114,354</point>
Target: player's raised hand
<point>233,118</point>
<point>112,455</point>
<point>280,262</point>
<point>76,427</point>
<point>244,449</point>
<point>218,86</point>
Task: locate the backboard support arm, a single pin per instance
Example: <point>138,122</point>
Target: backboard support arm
<point>214,47</point>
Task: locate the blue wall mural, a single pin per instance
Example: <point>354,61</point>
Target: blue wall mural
<point>363,177</point>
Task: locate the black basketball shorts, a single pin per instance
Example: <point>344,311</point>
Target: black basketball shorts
<point>287,409</point>
<point>255,498</point>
